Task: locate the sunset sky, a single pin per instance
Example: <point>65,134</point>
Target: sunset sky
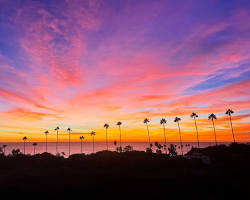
<point>81,64</point>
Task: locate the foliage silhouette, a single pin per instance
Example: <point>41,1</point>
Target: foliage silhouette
<point>24,142</point>
<point>229,112</point>
<point>3,148</point>
<point>69,131</point>
<point>159,147</point>
<point>146,121</point>
<point>213,117</point>
<point>106,126</point>
<point>81,138</point>
<point>128,148</point>
<point>93,136</point>
<point>57,129</point>
<point>163,122</point>
<point>34,144</point>
<point>172,150</point>
<point>46,136</point>
<point>177,120</point>
<point>133,170</point>
<point>194,116</point>
<point>119,125</point>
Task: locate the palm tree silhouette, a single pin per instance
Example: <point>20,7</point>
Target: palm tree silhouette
<point>177,119</point>
<point>106,126</point>
<point>93,135</point>
<point>46,134</point>
<point>146,121</point>
<point>229,112</point>
<point>4,146</point>
<point>69,130</point>
<point>115,143</point>
<point>212,116</point>
<point>34,145</point>
<point>163,122</point>
<point>81,138</point>
<point>57,129</point>
<point>194,116</point>
<point>119,124</point>
<point>24,141</point>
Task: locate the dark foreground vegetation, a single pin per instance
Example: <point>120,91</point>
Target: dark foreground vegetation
<point>227,173</point>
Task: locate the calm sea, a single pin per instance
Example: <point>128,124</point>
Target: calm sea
<point>75,147</point>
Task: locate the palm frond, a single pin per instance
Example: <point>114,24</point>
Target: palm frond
<point>163,121</point>
<point>146,120</point>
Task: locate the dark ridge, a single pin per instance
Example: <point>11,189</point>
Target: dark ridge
<point>212,171</point>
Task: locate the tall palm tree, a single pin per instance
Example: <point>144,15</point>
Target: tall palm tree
<point>146,121</point>
<point>57,129</point>
<point>119,124</point>
<point>46,134</point>
<point>81,138</point>
<point>229,112</point>
<point>24,141</point>
<point>115,143</point>
<point>34,145</point>
<point>212,117</point>
<point>4,146</point>
<point>69,130</point>
<point>177,119</point>
<point>93,135</point>
<point>163,122</point>
<point>194,116</point>
<point>106,126</point>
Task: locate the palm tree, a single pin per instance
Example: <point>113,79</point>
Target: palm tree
<point>115,143</point>
<point>106,126</point>
<point>24,140</point>
<point>194,116</point>
<point>177,119</point>
<point>146,121</point>
<point>34,145</point>
<point>69,130</point>
<point>229,112</point>
<point>46,134</point>
<point>57,129</point>
<point>163,122</point>
<point>119,124</point>
<point>212,116</point>
<point>81,138</point>
<point>4,146</point>
<point>93,135</point>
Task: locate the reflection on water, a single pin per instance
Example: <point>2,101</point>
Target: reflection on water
<point>75,147</point>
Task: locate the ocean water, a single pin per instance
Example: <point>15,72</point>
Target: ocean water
<point>75,147</point>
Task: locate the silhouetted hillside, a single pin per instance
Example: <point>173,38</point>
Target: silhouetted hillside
<point>130,172</point>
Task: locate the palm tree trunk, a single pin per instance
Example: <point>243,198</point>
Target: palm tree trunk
<point>180,138</point>
<point>232,127</point>
<point>24,147</point>
<point>69,143</point>
<point>197,133</point>
<point>214,133</point>
<point>148,136</point>
<point>107,139</point>
<point>165,140</point>
<point>120,138</point>
<point>56,142</point>
<point>46,143</point>
<point>93,145</point>
<point>81,145</point>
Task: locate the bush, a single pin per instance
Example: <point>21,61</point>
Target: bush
<point>128,148</point>
<point>172,150</point>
